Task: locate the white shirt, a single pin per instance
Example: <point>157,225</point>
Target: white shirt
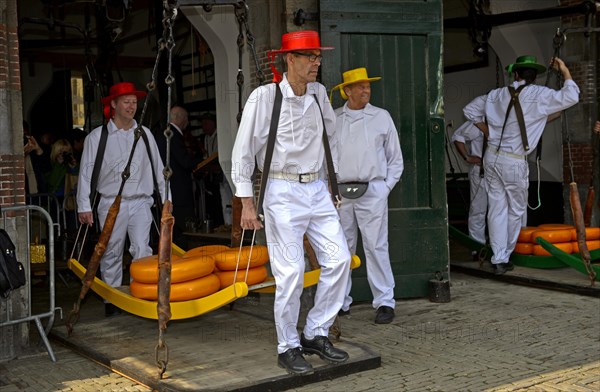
<point>211,143</point>
<point>538,102</point>
<point>471,136</point>
<point>118,148</point>
<point>368,146</point>
<point>299,143</point>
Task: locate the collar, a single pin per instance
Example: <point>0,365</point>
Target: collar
<point>516,84</point>
<point>368,110</point>
<point>177,128</point>
<point>112,127</point>
<point>286,88</point>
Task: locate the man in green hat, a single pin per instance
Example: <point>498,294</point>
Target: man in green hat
<point>513,119</point>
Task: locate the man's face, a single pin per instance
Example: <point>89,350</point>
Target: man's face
<point>125,107</point>
<point>358,94</point>
<point>208,126</point>
<point>301,67</point>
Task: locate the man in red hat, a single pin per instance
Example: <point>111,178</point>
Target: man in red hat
<point>513,118</point>
<point>134,218</point>
<point>296,199</point>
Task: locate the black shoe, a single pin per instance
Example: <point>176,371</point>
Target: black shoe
<point>385,315</point>
<point>321,346</point>
<point>342,312</point>
<point>293,362</point>
<point>111,310</point>
<point>509,266</point>
<point>501,268</point>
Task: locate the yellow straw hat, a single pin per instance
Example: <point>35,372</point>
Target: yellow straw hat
<point>354,76</point>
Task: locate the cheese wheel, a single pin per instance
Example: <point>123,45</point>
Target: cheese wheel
<point>553,236</point>
<point>552,226</point>
<point>255,275</point>
<point>205,250</point>
<point>524,248</point>
<point>566,247</point>
<point>184,291</point>
<point>145,270</point>
<point>227,260</point>
<point>592,245</point>
<point>591,233</point>
<point>525,234</point>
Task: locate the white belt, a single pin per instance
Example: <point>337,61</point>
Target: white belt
<point>302,178</point>
<point>494,150</point>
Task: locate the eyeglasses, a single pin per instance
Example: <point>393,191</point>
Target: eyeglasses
<point>311,57</point>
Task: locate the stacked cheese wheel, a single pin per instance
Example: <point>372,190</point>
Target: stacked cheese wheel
<point>250,264</point>
<point>561,236</point>
<point>199,272</point>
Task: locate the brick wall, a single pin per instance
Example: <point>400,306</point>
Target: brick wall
<point>582,156</point>
<point>12,177</point>
<point>583,63</point>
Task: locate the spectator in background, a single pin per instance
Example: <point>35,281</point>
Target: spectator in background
<point>34,179</point>
<point>77,138</point>
<point>62,163</point>
<point>219,195</point>
<point>181,181</point>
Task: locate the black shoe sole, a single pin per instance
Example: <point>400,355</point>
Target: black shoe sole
<point>312,351</point>
<point>385,321</point>
<point>290,371</point>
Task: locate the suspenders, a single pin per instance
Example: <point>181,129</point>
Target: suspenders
<point>514,101</point>
<point>271,145</point>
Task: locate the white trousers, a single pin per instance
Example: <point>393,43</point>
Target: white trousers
<point>507,180</point>
<point>478,205</point>
<point>134,220</point>
<point>291,210</point>
<point>369,213</point>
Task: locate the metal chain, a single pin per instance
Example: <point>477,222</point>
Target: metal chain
<point>169,80</point>
<point>250,39</point>
<point>241,14</point>
<point>165,42</point>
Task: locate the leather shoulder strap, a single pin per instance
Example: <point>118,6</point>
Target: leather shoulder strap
<point>98,162</point>
<point>514,101</point>
<point>270,147</point>
<point>335,193</point>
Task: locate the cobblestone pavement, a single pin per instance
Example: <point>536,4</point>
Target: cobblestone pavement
<point>492,336</point>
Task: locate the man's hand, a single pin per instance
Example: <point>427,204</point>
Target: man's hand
<point>473,160</point>
<point>86,218</point>
<point>597,127</point>
<point>560,66</point>
<point>249,219</point>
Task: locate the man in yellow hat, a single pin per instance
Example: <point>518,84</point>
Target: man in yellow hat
<point>296,199</point>
<point>513,119</point>
<point>370,165</point>
<point>134,218</point>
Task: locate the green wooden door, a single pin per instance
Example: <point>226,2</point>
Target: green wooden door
<point>401,41</point>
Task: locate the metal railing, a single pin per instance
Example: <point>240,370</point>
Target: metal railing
<point>49,314</point>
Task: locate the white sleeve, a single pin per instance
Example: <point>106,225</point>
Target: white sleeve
<point>252,136</point>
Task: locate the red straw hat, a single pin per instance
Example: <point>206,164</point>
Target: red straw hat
<point>119,89</point>
<point>296,40</point>
<point>123,88</point>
